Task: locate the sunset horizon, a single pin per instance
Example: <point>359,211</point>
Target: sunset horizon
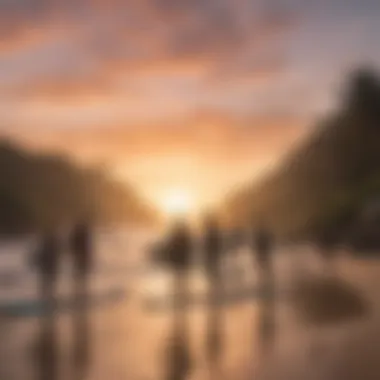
<point>168,95</point>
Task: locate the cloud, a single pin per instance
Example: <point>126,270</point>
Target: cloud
<point>24,38</point>
<point>62,89</point>
<point>26,24</point>
<point>142,38</point>
<point>211,34</point>
<point>208,133</point>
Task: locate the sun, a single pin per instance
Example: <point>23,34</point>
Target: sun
<point>177,202</point>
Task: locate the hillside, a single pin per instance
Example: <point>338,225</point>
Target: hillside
<point>37,191</point>
<point>320,189</point>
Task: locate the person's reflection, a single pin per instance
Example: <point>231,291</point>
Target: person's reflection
<point>82,254</point>
<point>81,343</point>
<point>213,252</point>
<point>266,321</point>
<point>47,354</point>
<point>179,249</point>
<point>263,248</point>
<point>178,350</point>
<point>214,343</point>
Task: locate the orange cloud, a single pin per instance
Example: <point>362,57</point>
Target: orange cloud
<point>22,39</point>
<point>30,24</point>
<point>207,134</point>
<point>63,89</point>
<point>139,38</point>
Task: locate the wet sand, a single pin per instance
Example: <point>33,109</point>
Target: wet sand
<point>126,341</point>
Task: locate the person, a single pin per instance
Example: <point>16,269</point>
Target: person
<point>262,246</point>
<point>47,262</point>
<point>212,248</point>
<point>81,249</point>
<point>178,249</point>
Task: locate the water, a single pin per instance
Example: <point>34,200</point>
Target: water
<point>125,340</point>
<point>117,259</point>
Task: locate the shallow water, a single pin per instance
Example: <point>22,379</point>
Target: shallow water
<point>125,340</point>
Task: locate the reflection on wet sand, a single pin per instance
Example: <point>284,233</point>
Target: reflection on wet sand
<point>178,350</point>
<point>220,334</point>
<point>266,326</point>
<point>48,357</point>
<point>47,349</point>
<point>81,344</point>
<point>214,341</point>
<point>214,327</point>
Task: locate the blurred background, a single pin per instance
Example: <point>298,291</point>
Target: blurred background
<point>189,189</point>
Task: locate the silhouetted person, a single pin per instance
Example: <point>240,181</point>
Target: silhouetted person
<point>47,263</point>
<point>179,249</point>
<point>263,247</point>
<point>82,253</point>
<point>212,249</point>
<point>213,253</point>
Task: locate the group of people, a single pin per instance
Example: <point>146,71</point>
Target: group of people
<point>49,252</point>
<point>180,246</point>
<point>178,251</point>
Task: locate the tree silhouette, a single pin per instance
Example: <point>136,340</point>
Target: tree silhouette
<point>40,191</point>
<point>319,189</point>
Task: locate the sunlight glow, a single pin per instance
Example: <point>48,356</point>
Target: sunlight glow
<point>177,202</point>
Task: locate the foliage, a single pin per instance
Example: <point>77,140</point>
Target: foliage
<point>322,185</point>
<point>40,191</point>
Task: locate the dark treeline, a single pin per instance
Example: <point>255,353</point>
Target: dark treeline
<point>324,188</point>
<point>44,191</point>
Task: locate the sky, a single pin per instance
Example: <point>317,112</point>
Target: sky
<point>198,96</point>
